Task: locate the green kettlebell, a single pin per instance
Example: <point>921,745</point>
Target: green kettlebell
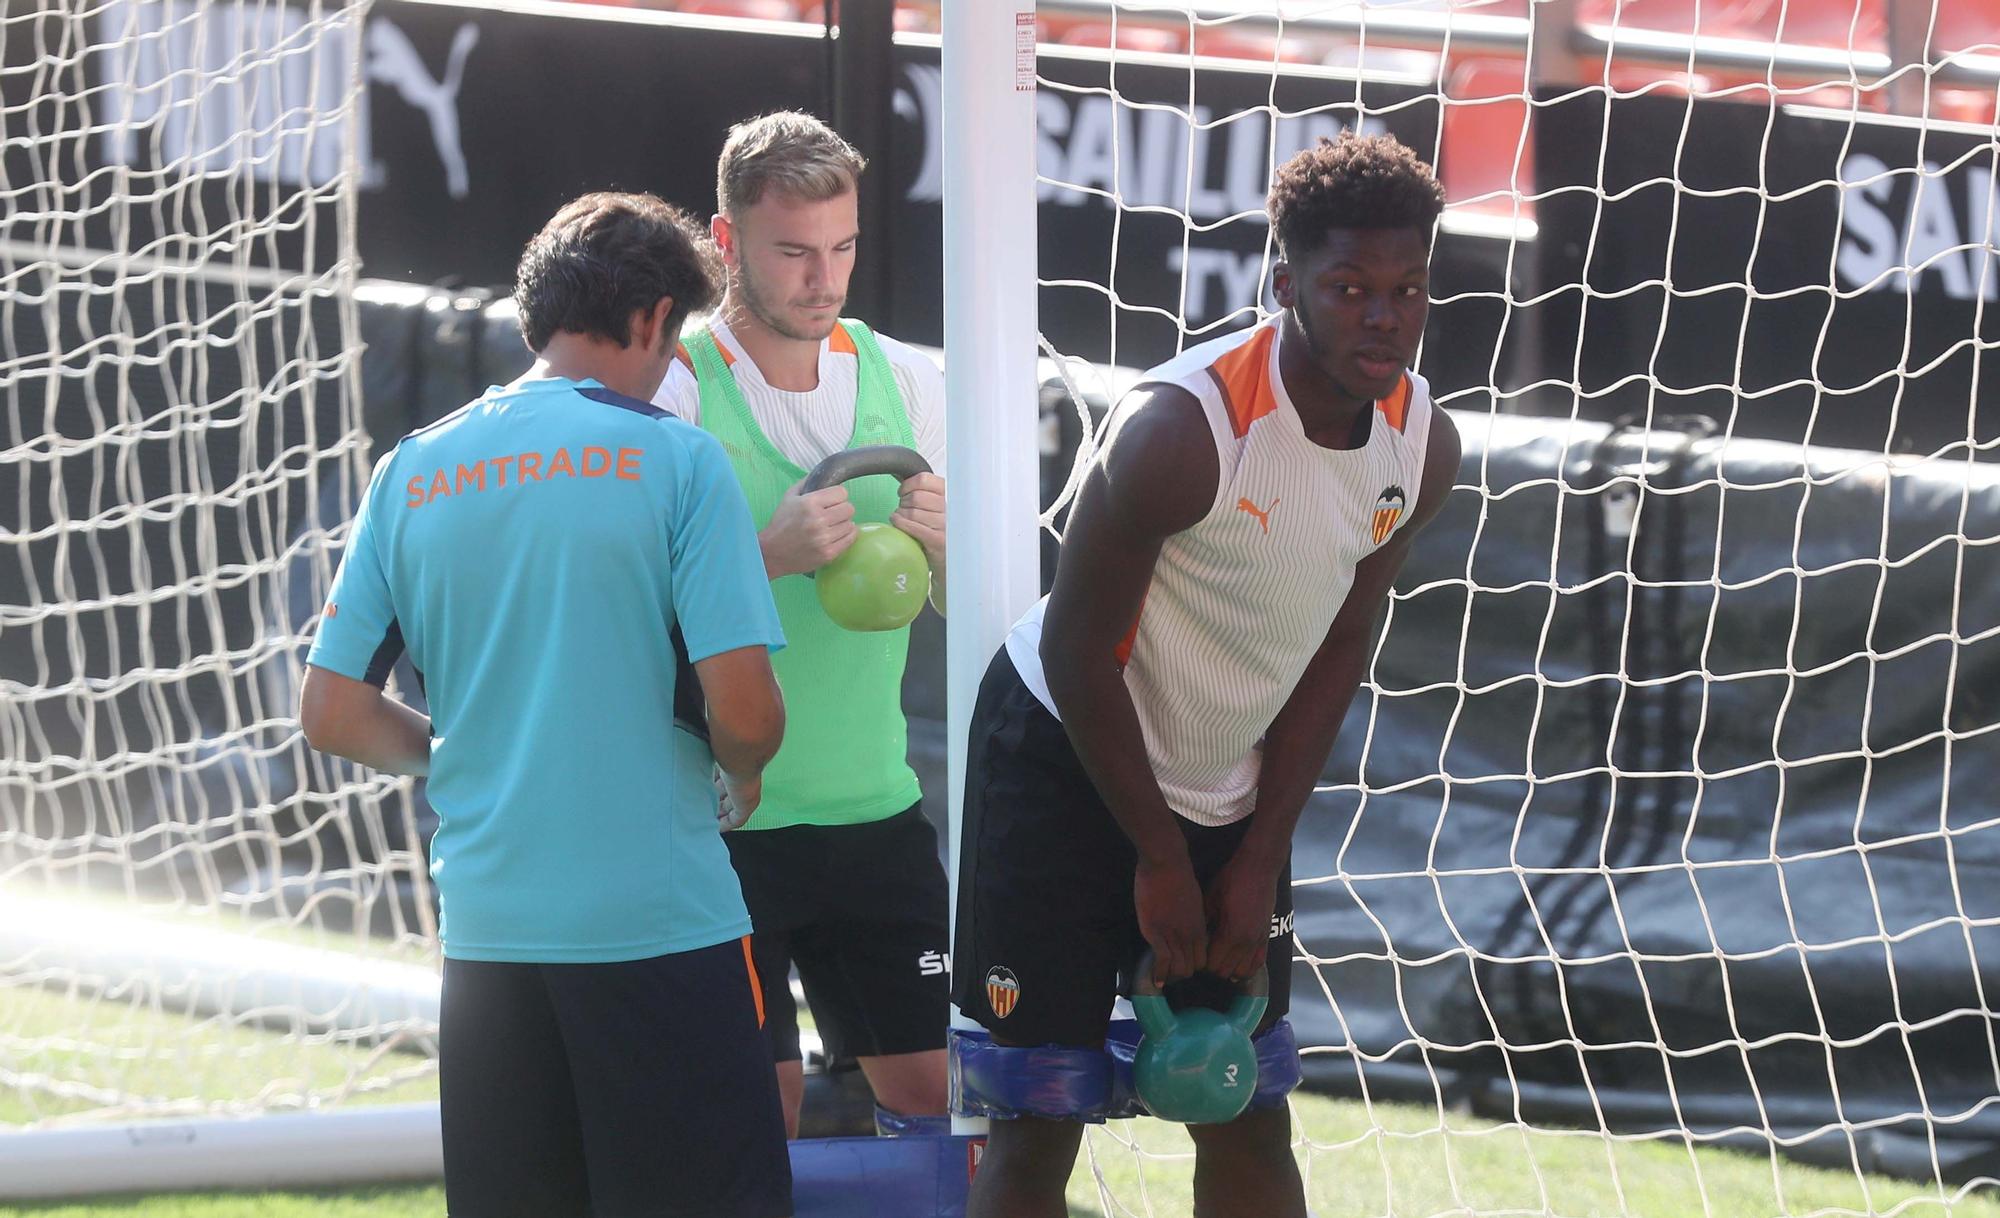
<point>1196,1067</point>
<point>879,582</point>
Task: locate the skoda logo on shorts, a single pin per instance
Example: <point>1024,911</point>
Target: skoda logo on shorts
<point>1003,990</point>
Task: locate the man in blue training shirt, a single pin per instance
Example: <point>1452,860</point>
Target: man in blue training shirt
<point>565,564</point>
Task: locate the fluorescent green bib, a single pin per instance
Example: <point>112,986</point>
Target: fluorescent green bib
<point>845,759</point>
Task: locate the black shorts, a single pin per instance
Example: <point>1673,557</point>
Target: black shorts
<point>861,910</point>
<point>1045,915</point>
<point>637,1088</point>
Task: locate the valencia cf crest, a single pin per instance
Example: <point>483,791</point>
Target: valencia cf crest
<point>1388,510</point>
<point>1003,990</point>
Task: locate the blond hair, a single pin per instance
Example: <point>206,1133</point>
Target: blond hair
<point>790,152</point>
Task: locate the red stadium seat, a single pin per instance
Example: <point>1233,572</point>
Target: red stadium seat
<point>1656,80</point>
<point>1965,24</point>
<point>761,10</point>
<point>917,18</point>
<point>1235,41</point>
<point>910,18</point>
<point>1829,97</point>
<point>1820,23</point>
<point>1480,141</point>
<point>1375,57</point>
<point>1965,106</point>
<point>1128,36</point>
<point>1833,23</point>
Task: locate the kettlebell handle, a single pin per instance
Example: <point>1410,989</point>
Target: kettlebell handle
<point>854,463</point>
<point>1257,985</point>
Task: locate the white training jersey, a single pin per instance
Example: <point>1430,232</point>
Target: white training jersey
<point>811,426</point>
<point>1239,603</point>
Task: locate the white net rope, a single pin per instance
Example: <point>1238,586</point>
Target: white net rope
<point>181,878</point>
<point>1660,824</point>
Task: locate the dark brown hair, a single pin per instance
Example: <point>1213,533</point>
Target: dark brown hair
<point>605,255</point>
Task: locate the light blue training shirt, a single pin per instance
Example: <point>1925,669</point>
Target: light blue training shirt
<point>554,557</point>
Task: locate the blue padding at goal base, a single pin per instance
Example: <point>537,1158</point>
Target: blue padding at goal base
<point>908,1177</point>
<point>1088,1085</point>
<point>895,1125</point>
<point>1004,1082</point>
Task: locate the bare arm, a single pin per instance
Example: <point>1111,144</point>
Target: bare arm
<point>1158,478</point>
<point>746,713</point>
<point>360,722</point>
<point>1301,736</point>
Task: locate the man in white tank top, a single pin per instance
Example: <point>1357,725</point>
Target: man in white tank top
<point>1145,742</point>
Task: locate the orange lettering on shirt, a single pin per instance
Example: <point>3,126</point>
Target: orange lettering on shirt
<point>596,462</point>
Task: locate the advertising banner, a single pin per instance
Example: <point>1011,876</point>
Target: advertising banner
<point>1152,204</point>
<point>1795,274</point>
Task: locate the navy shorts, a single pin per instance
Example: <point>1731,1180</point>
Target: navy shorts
<point>861,910</point>
<point>1047,934</point>
<point>608,1090</point>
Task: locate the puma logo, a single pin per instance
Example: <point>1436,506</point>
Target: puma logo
<point>393,60</point>
<point>1263,515</point>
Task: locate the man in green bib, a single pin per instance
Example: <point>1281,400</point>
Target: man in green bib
<point>839,866</point>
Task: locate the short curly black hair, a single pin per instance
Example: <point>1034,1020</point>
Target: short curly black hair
<point>1355,181</point>
<point>607,254</point>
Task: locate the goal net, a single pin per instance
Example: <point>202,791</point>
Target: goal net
<point>182,882</point>
<point>1650,873</point>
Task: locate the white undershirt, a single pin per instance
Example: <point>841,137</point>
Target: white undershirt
<point>808,427</point>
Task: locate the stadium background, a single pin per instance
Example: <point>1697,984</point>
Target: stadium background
<point>413,228</point>
<point>472,138</point>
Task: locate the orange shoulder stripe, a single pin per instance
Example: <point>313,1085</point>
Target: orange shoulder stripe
<point>1396,407</point>
<point>841,342</point>
<point>681,354</point>
<point>1244,376</point>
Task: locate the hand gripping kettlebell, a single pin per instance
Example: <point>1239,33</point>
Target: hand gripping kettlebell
<point>1196,1067</point>
<point>880,581</point>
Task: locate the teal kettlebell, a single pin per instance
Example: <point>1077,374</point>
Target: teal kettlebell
<point>1196,1067</point>
<point>880,581</point>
